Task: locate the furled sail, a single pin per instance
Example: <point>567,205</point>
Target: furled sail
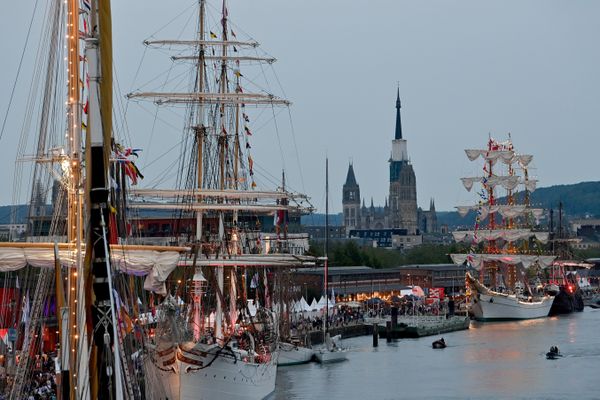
<point>507,211</point>
<point>509,235</point>
<point>507,182</point>
<point>506,156</point>
<point>153,262</point>
<point>477,260</point>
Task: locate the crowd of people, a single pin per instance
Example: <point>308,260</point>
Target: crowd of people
<point>305,323</point>
<point>42,385</point>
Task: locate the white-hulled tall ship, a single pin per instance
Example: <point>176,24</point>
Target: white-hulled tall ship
<point>221,348</point>
<point>80,275</point>
<point>502,245</point>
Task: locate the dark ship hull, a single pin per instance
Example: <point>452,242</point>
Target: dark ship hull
<point>566,303</point>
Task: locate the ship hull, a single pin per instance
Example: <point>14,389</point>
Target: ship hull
<point>294,355</point>
<point>501,307</point>
<point>162,366</point>
<point>223,375</point>
<point>325,356</point>
<point>566,303</point>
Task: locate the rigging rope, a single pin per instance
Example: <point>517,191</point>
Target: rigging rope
<point>12,93</point>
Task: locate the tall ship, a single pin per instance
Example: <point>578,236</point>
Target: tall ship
<point>223,342</point>
<point>505,243</point>
<point>195,315</point>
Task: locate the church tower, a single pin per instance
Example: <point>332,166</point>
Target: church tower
<point>351,201</point>
<point>403,184</point>
<point>432,217</point>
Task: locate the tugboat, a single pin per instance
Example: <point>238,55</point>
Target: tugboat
<point>564,271</point>
<point>569,297</point>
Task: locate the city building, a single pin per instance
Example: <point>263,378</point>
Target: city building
<point>351,282</point>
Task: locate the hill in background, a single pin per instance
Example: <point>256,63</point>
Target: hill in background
<point>580,200</point>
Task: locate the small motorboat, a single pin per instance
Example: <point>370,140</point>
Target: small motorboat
<point>553,354</point>
<point>439,344</point>
<point>332,351</point>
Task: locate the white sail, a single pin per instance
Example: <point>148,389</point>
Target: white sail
<point>507,211</point>
<point>509,182</point>
<point>477,260</point>
<point>509,235</point>
<point>530,184</point>
<point>506,156</point>
<point>153,264</point>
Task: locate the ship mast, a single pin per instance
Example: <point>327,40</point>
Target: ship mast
<point>216,124</point>
<point>75,328</point>
<point>105,362</point>
<point>223,145</point>
<point>200,128</point>
<point>73,118</point>
<point>326,267</point>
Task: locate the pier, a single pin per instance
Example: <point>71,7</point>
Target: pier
<point>425,326</point>
<point>406,327</point>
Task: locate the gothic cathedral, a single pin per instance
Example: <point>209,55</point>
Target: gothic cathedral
<point>400,210</point>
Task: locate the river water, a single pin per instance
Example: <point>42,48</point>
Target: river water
<point>504,360</point>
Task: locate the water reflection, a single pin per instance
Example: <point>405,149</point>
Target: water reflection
<point>491,360</point>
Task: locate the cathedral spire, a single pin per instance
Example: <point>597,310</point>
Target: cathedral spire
<point>398,122</point>
<point>350,178</point>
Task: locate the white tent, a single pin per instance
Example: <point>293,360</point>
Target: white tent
<point>304,304</point>
<point>313,305</point>
<point>322,302</point>
<point>296,307</point>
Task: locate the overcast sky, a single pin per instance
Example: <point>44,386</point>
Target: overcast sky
<point>465,69</point>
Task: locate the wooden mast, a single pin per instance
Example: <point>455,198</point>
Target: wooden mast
<point>74,117</point>
<point>105,373</point>
<point>326,269</point>
<point>223,89</point>
<point>71,332</point>
<point>200,127</point>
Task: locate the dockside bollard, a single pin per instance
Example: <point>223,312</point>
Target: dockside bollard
<point>375,335</point>
<point>394,317</point>
<point>450,308</point>
<point>388,331</point>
